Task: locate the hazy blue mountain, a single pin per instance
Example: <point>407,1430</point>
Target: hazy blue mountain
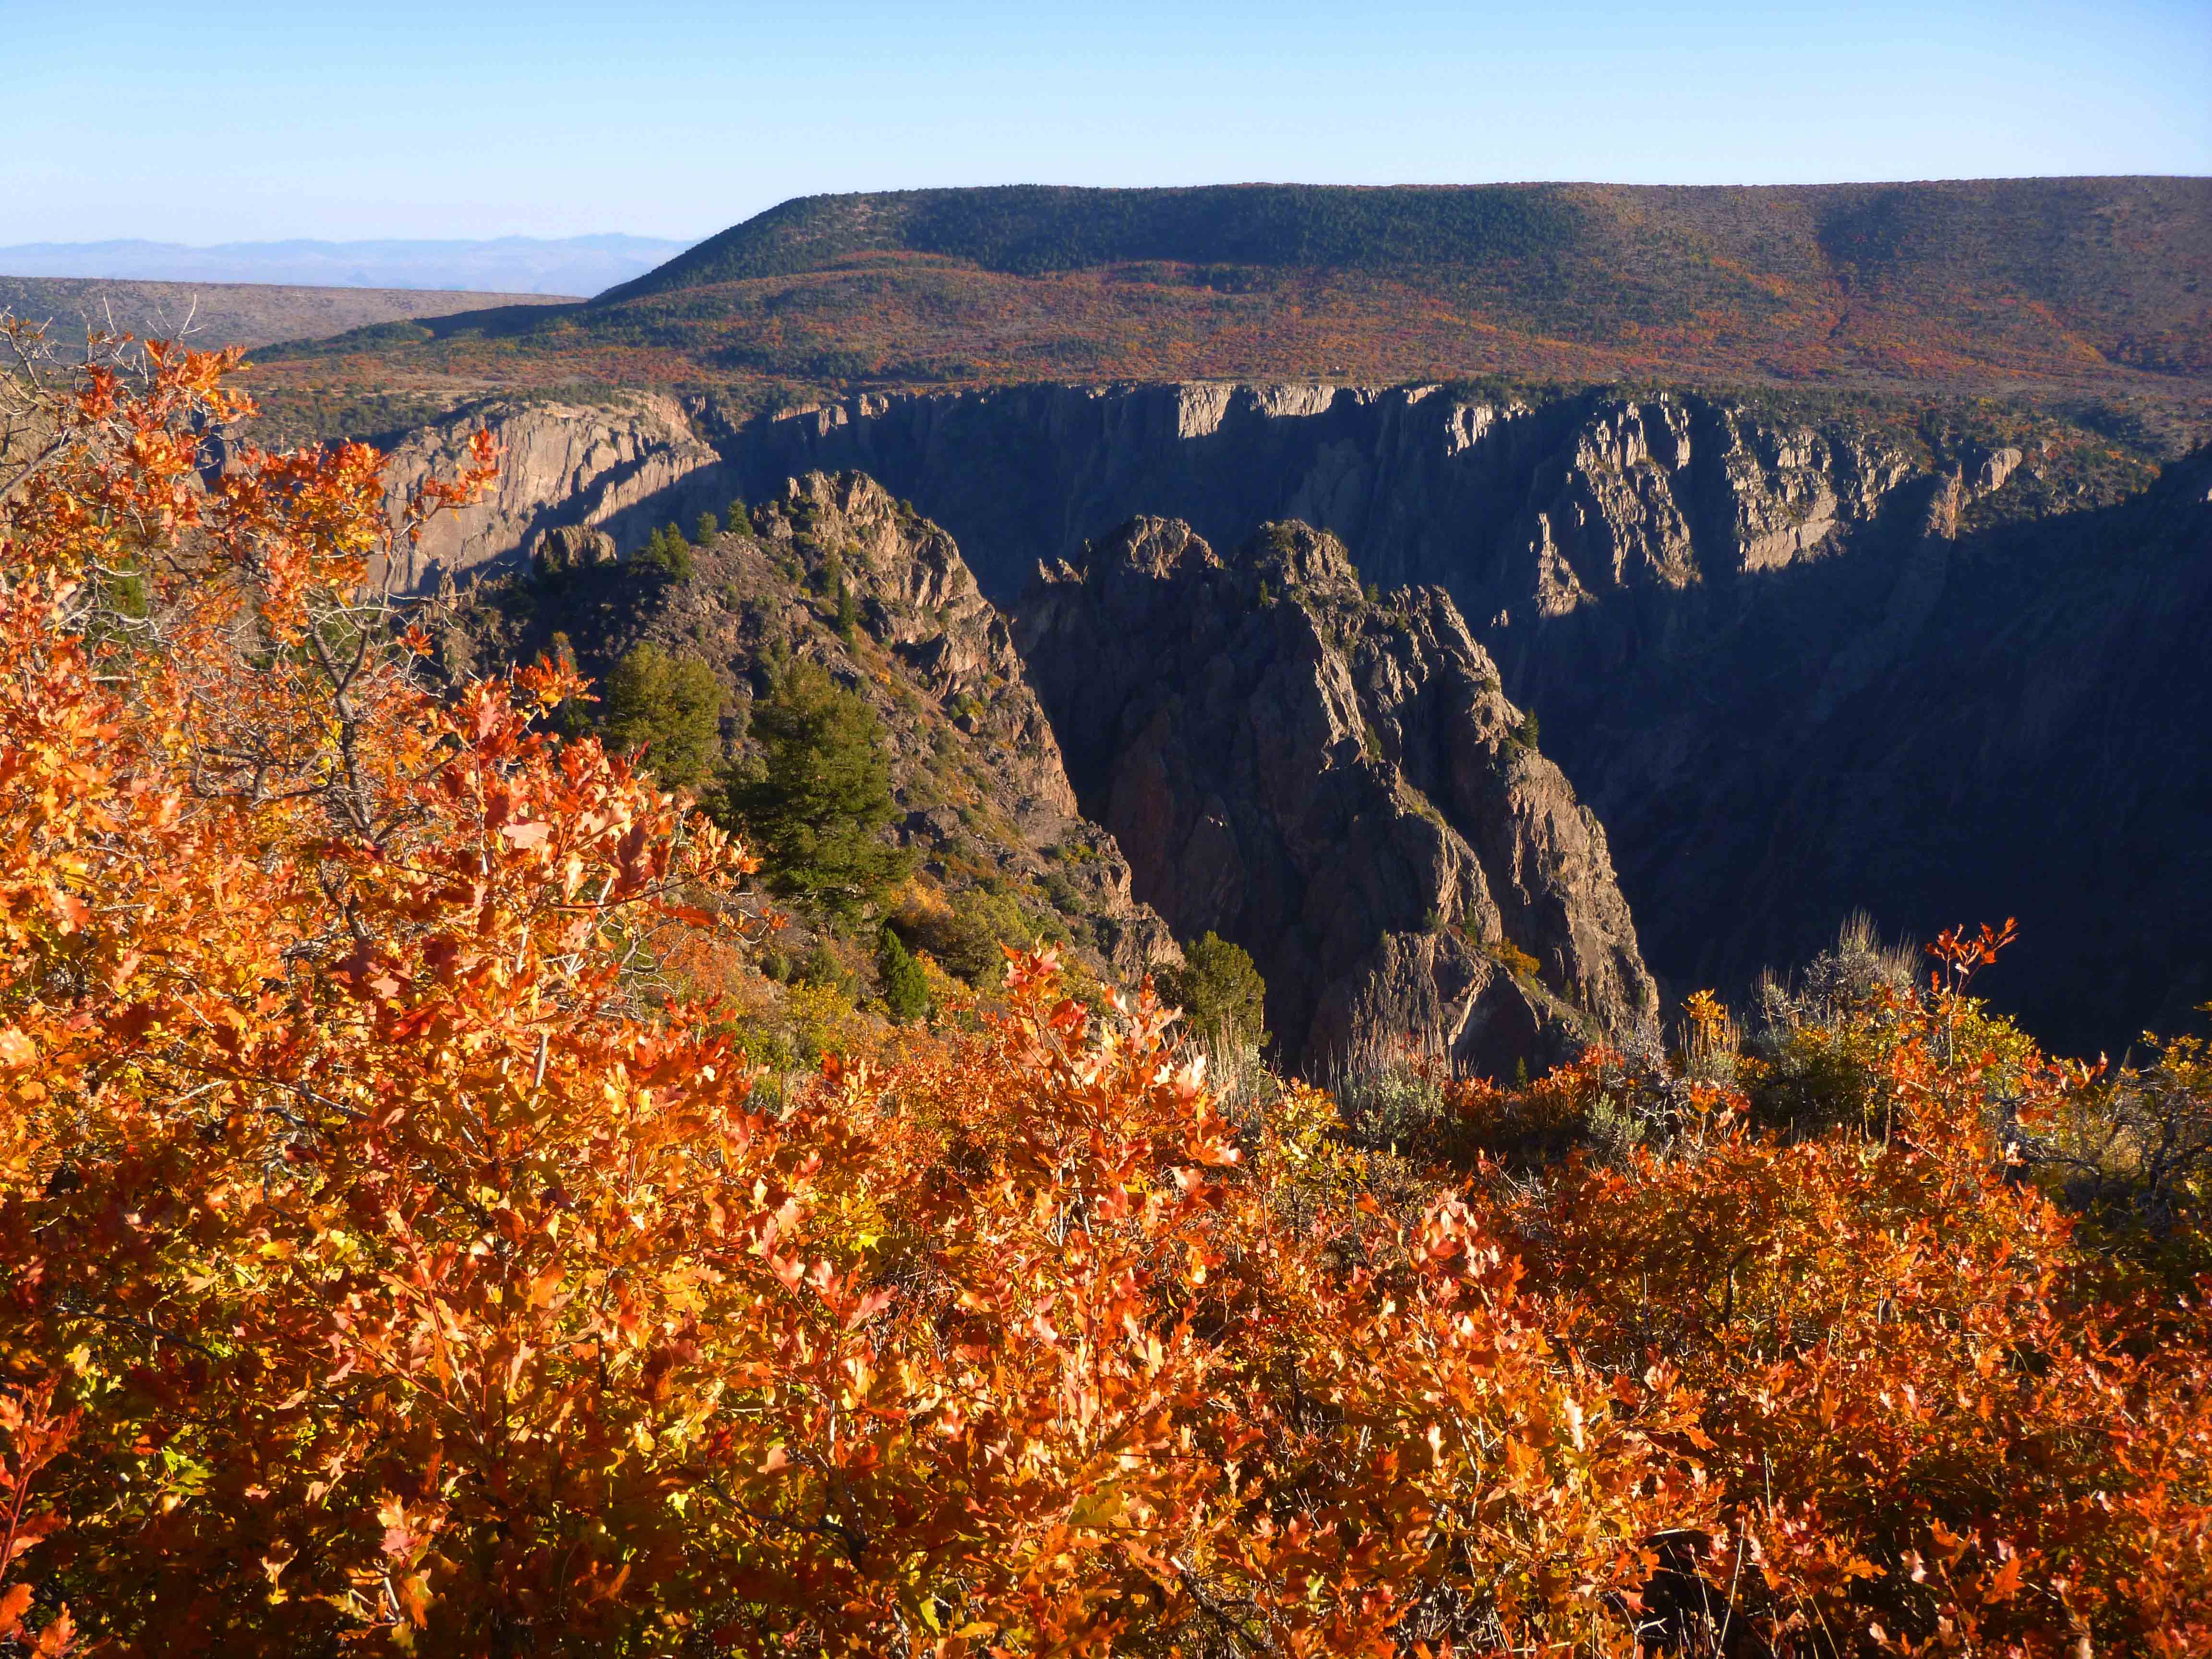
<point>508,264</point>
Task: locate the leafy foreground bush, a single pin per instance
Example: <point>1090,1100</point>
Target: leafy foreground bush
<point>381,1270</point>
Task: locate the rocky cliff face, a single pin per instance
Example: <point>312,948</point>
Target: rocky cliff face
<point>1743,630</point>
<point>2005,715</point>
<point>1521,507</point>
<point>1339,785</point>
<point>919,603</point>
<point>1922,714</point>
<point>624,466</point>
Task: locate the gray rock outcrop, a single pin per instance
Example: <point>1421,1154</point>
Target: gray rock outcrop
<point>570,547</point>
<point>917,598</point>
<point>622,467</point>
<point>976,769</point>
<point>1339,785</point>
<point>988,802</point>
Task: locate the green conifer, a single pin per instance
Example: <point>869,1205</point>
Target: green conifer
<point>815,801</point>
<point>675,555</point>
<point>1219,990</point>
<point>668,553</point>
<point>906,988</point>
<point>671,708</point>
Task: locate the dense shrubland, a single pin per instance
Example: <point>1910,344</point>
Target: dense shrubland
<point>398,1252</point>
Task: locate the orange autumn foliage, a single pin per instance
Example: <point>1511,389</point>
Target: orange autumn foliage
<point>1935,1422</point>
<point>385,1268</point>
<point>409,1280</point>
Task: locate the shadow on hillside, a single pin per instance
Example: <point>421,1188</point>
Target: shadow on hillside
<point>2035,747</point>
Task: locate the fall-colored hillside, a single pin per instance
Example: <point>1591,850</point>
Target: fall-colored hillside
<point>2082,286</point>
<point>397,1254</point>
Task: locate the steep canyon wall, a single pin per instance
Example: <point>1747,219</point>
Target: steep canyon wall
<point>1796,665</point>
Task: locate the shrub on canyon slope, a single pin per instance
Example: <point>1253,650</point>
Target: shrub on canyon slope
<point>386,1267</point>
<point>818,795</point>
<point>1935,1418</point>
<point>906,987</point>
<point>667,710</point>
<point>1220,990</point>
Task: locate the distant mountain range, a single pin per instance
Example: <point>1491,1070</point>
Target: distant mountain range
<point>506,265</point>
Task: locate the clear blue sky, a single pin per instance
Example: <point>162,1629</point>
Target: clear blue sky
<point>249,121</point>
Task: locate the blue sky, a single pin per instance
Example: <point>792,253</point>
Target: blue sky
<point>248,121</point>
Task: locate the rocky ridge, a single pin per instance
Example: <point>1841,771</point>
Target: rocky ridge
<point>1338,783</point>
<point>1520,505</point>
<point>987,805</point>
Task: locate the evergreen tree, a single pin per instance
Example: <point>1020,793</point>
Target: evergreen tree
<point>667,552</point>
<point>848,612</point>
<point>675,555</point>
<point>1220,990</point>
<point>740,519</point>
<point>669,707</point>
<point>815,799</point>
<point>966,942</point>
<point>906,988</point>
<point>706,529</point>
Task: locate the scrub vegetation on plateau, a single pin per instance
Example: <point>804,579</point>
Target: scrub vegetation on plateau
<point>2073,289</point>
